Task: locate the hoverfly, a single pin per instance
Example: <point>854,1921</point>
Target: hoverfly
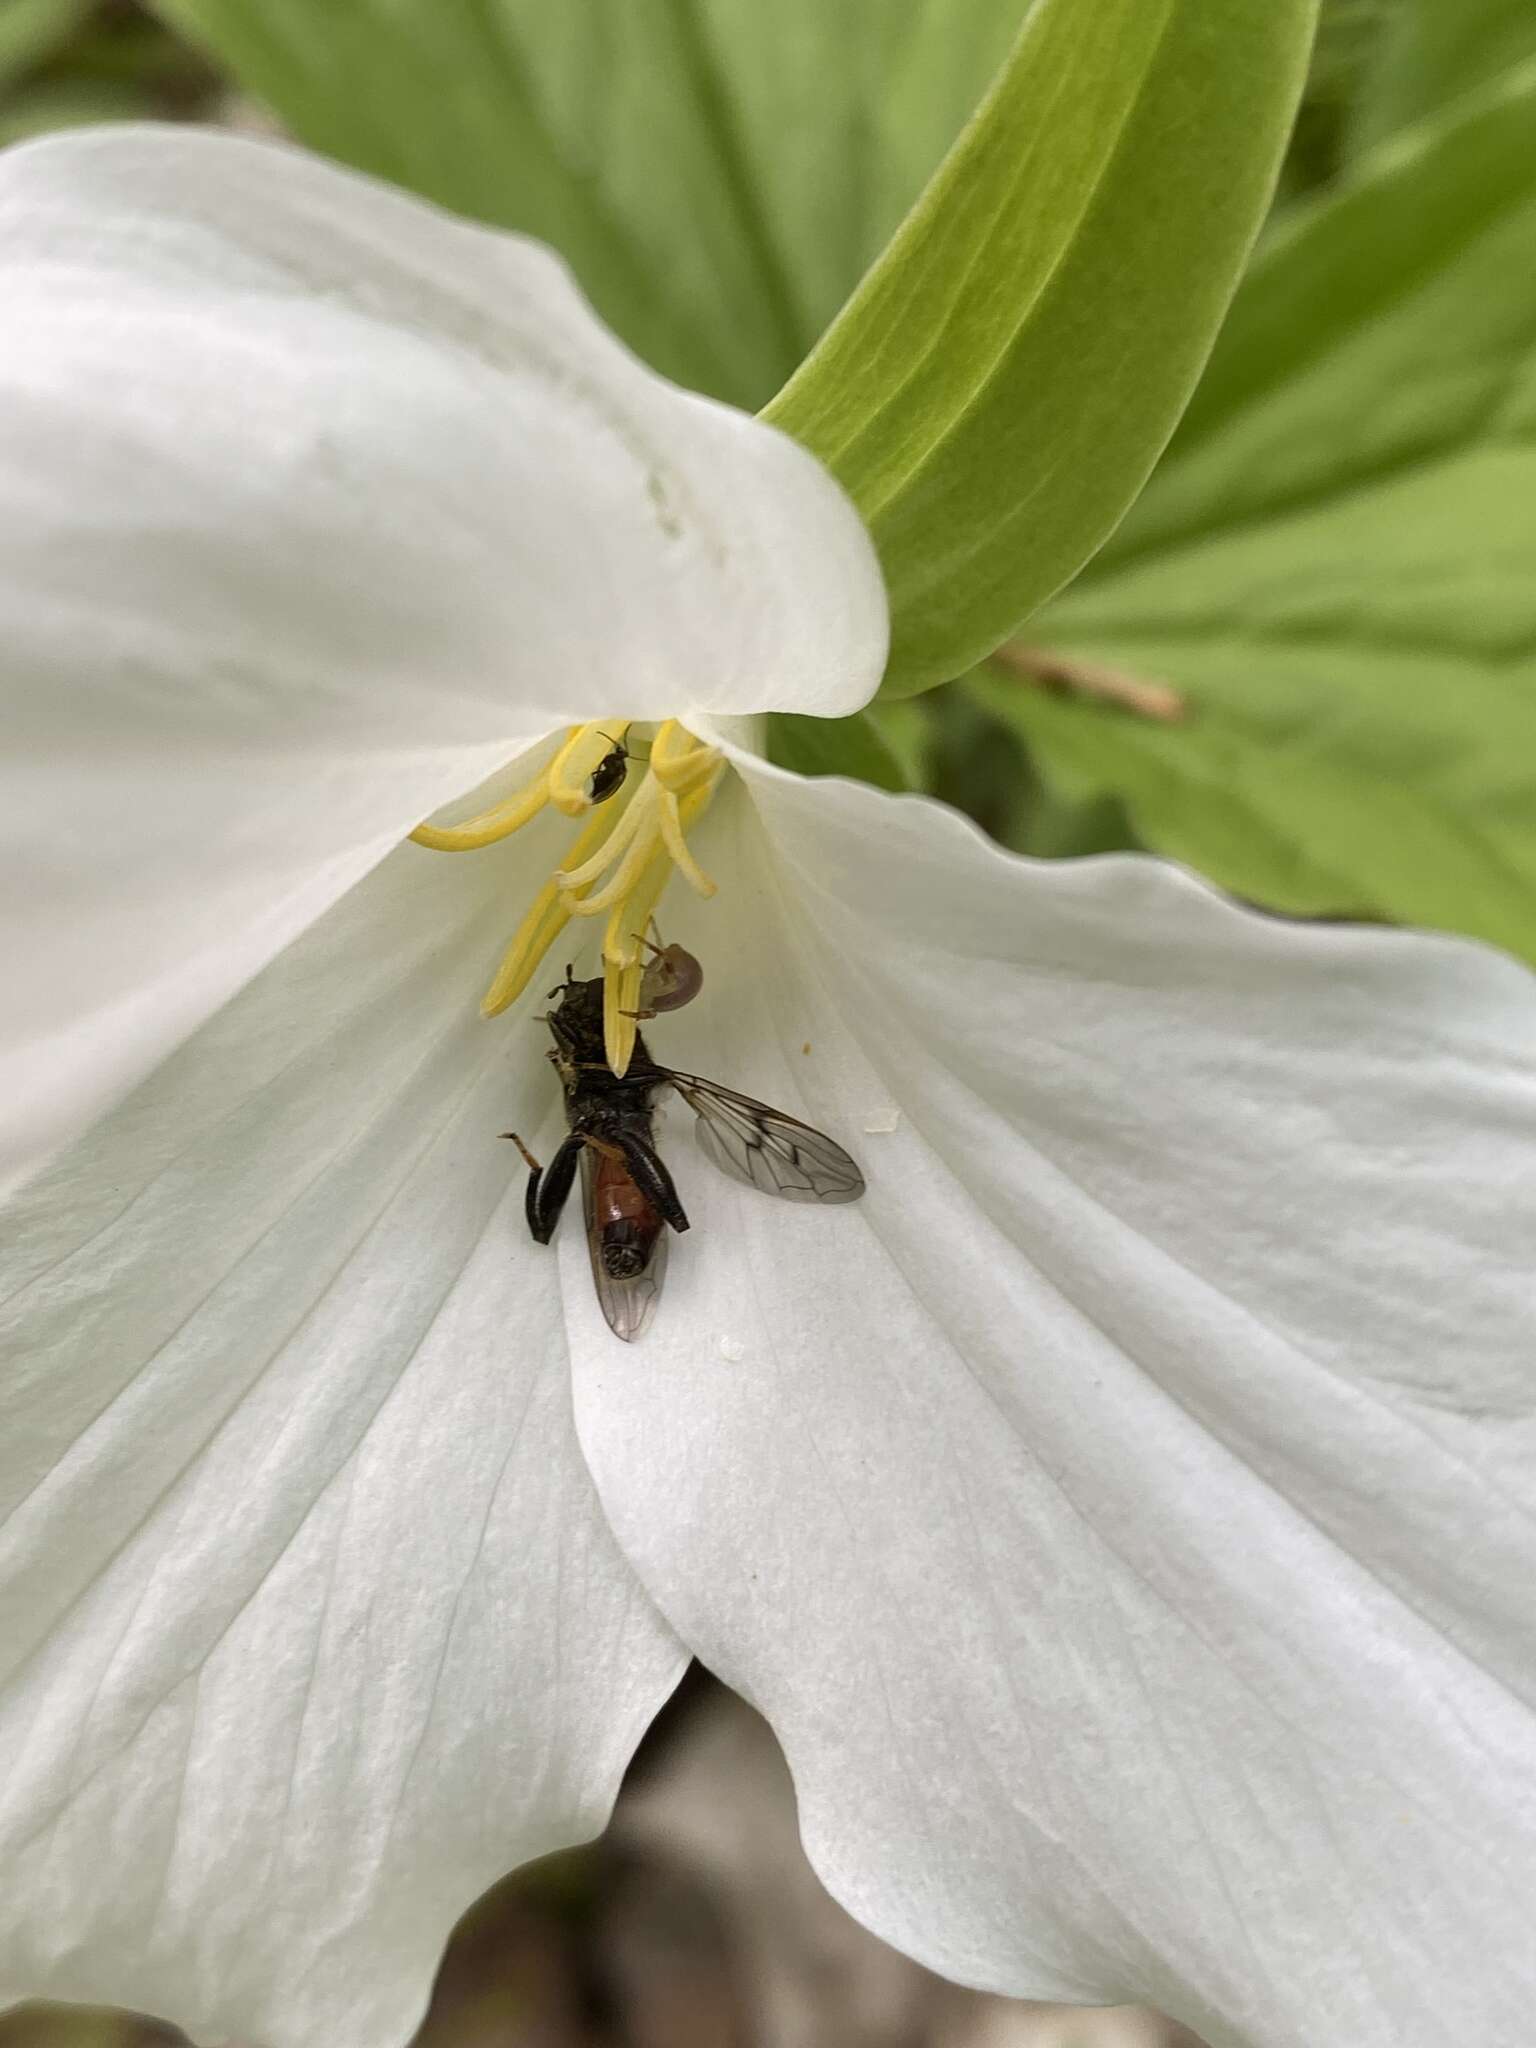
<point>627,1192</point>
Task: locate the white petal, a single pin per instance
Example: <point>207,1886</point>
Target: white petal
<point>316,505</point>
<point>1124,1513</point>
<point>309,1624</point>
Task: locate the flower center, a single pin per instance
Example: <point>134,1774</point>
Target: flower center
<point>619,862</point>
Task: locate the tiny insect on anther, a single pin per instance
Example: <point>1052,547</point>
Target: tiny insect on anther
<point>607,778</point>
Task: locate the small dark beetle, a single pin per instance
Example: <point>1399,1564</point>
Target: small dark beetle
<point>608,776</point>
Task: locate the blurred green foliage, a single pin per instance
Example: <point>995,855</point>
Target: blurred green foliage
<point>1352,40</point>
<point>67,62</point>
<point>41,2025</point>
<point>717,173</point>
<point>1431,53</point>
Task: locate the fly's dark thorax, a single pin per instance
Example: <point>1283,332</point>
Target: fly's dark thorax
<point>581,1055</point>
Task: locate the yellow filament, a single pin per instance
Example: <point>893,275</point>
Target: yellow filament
<point>677,845</point>
<point>642,846</point>
<point>572,767</point>
<point>638,820</point>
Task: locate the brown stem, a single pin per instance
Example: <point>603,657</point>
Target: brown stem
<point>1143,695</point>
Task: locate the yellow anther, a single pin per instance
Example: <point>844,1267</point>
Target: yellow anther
<point>621,998</point>
<point>572,768</point>
<point>678,760</point>
<point>535,935</point>
<point>550,914</point>
<point>499,822</point>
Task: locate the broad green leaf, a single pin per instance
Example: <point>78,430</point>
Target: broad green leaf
<point>997,390</point>
<point>835,746</point>
<point>1337,562</point>
<point>1436,50</point>
<point>718,172</point>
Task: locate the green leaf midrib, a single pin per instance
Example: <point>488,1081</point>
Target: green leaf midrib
<point>992,367</point>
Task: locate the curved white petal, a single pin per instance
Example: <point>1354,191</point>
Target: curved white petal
<point>1124,1513</point>
<point>316,505</point>
<point>309,1623</point>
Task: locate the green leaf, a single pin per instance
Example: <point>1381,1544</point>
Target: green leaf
<point>904,725</point>
<point>1351,35</point>
<point>718,172</point>
<point>68,102</point>
<point>997,390</point>
<point>1337,562</point>
<point>31,31</point>
<point>1437,50</point>
<point>835,746</point>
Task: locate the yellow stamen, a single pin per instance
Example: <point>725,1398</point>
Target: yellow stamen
<point>677,846</point>
<point>548,918</point>
<point>621,998</point>
<point>628,922</point>
<point>635,840</point>
<point>635,822</point>
<point>637,854</point>
<point>678,760</point>
<point>486,827</point>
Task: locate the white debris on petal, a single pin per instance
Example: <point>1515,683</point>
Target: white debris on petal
<point>732,1350</point>
<point>883,1119</point>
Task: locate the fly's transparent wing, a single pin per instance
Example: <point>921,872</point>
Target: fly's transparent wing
<point>765,1148</point>
<point>627,1300</point>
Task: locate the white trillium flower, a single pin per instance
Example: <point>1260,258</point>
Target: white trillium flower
<point>1122,1514</point>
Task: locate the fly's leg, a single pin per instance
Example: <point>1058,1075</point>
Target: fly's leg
<point>601,1146</point>
<point>548,1186</point>
<point>653,1179</point>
